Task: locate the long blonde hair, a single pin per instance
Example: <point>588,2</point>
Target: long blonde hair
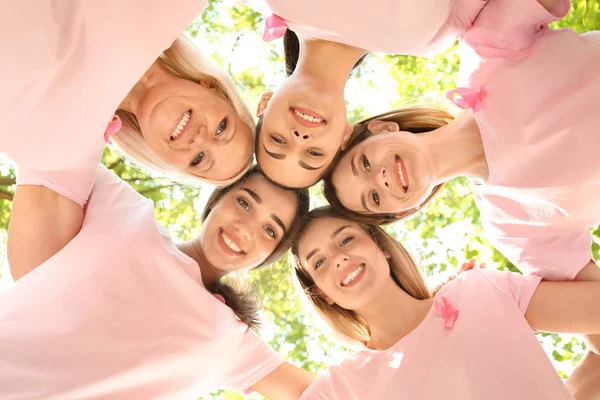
<point>417,120</point>
<point>184,60</point>
<point>403,270</point>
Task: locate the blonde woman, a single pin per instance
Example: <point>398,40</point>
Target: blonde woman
<point>85,73</point>
<point>472,340</point>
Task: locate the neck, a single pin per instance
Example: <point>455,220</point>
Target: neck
<point>392,315</point>
<point>153,76</point>
<point>330,62</point>
<point>457,149</point>
<point>194,250</point>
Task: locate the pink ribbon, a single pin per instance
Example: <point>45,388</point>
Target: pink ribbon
<point>113,127</point>
<point>443,308</point>
<point>466,98</point>
<point>219,297</point>
<point>275,28</point>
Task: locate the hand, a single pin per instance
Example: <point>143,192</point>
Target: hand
<point>468,265</point>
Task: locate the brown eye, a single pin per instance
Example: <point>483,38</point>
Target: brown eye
<point>375,197</point>
<point>243,203</point>
<point>366,164</point>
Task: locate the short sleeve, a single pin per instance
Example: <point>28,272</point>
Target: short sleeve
<point>254,359</point>
<point>554,258</point>
<point>519,288</point>
<point>506,28</point>
<point>320,389</point>
<point>74,185</point>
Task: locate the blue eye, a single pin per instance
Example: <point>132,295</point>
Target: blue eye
<point>198,159</point>
<point>366,164</point>
<point>319,263</point>
<point>222,127</point>
<point>346,241</point>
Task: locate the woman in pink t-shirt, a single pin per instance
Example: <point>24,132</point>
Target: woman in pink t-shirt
<point>178,113</point>
<point>303,124</point>
<point>472,340</point>
<point>122,312</point>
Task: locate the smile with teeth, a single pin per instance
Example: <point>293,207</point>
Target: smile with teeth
<point>229,243</point>
<point>308,118</point>
<point>181,125</point>
<point>401,174</point>
<point>352,275</point>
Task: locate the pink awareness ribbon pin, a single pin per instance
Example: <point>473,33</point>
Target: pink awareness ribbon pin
<point>466,98</point>
<point>443,308</point>
<point>275,28</point>
<point>113,127</point>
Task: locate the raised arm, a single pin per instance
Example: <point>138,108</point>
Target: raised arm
<point>566,307</point>
<point>286,382</point>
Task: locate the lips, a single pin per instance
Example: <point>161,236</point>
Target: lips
<point>400,173</point>
<point>307,118</point>
<point>353,274</point>
<point>229,243</point>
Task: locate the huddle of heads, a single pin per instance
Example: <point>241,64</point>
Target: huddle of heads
<point>195,128</point>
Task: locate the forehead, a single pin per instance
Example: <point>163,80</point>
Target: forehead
<point>275,199</point>
<point>319,231</point>
<point>347,186</point>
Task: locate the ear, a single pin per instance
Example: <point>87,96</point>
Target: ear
<point>347,133</point>
<point>262,104</point>
<point>382,126</point>
<point>387,254</point>
<point>328,300</point>
<point>206,84</point>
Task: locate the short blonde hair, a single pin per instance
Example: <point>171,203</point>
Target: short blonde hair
<point>348,323</point>
<point>184,60</point>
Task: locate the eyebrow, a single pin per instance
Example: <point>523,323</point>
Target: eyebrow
<point>364,204</point>
<point>279,222</point>
<point>276,156</point>
<point>352,164</point>
<point>308,167</point>
<point>253,195</point>
<point>334,234</point>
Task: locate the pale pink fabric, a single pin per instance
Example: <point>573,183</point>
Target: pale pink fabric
<point>489,353</point>
<point>421,28</point>
<point>121,313</point>
<point>539,122</point>
<point>67,66</point>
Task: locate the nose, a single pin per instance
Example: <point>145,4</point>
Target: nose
<point>382,178</point>
<point>341,259</point>
<point>301,137</point>
<point>242,231</point>
<point>198,138</point>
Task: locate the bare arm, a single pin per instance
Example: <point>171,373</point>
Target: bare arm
<point>42,222</point>
<point>286,382</point>
<point>566,307</point>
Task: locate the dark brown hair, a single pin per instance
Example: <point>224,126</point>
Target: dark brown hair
<point>239,295</point>
<point>403,270</point>
<point>412,119</point>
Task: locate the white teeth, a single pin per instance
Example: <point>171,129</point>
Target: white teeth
<point>182,123</point>
<point>308,118</point>
<point>402,179</point>
<point>352,275</point>
<point>230,243</point>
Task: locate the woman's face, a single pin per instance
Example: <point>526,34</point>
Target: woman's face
<point>303,128</point>
<point>247,224</point>
<point>193,128</point>
<point>389,172</point>
<point>344,262</point>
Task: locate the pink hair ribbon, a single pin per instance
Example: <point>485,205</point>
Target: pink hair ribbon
<point>275,28</point>
<point>467,98</point>
<point>443,308</point>
<point>113,127</point>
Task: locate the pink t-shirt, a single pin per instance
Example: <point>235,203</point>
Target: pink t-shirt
<point>539,122</point>
<point>121,313</point>
<point>489,353</point>
<point>420,28</point>
<point>68,66</point>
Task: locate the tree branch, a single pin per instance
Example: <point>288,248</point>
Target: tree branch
<point>5,181</point>
<point>6,195</point>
